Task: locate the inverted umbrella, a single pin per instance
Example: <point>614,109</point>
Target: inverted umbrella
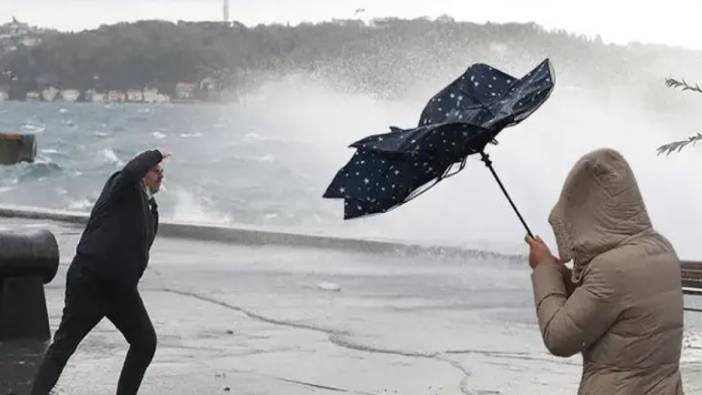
<point>390,169</point>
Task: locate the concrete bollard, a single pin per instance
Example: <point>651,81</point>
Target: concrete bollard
<point>15,148</point>
<point>27,262</point>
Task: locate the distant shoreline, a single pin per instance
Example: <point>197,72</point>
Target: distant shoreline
<point>182,102</point>
<point>387,58</point>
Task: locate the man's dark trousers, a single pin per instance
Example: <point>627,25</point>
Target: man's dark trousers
<point>89,298</point>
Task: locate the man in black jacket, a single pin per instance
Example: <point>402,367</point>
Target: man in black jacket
<point>102,280</point>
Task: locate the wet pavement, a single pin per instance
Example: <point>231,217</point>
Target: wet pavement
<point>291,320</point>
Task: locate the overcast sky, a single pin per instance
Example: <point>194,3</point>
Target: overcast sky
<point>672,22</point>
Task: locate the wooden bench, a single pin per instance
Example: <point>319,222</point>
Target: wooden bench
<point>691,273</point>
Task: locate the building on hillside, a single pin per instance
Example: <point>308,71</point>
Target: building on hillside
<point>70,95</point>
<point>30,41</point>
<point>98,97</point>
<point>135,95</point>
<point>49,94</point>
<point>15,34</point>
<point>150,95</point>
<point>208,84</point>
<point>185,91</point>
<point>115,96</point>
<point>163,98</point>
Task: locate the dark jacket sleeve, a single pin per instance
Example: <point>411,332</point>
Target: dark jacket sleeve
<point>130,175</point>
<point>136,169</point>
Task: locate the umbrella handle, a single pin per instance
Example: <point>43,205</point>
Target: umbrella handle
<point>486,159</point>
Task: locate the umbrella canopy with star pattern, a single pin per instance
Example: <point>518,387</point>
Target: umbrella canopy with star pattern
<point>390,169</point>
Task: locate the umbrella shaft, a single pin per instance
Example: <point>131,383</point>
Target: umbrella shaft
<point>488,163</point>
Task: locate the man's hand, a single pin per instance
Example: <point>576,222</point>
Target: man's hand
<point>164,153</point>
<point>539,252</point>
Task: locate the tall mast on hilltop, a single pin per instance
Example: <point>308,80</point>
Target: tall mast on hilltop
<point>225,11</point>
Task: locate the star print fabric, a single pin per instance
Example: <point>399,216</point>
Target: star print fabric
<point>389,169</point>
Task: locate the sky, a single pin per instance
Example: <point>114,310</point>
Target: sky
<point>673,22</point>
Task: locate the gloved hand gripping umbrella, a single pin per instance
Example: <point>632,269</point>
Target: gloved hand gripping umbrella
<point>390,169</point>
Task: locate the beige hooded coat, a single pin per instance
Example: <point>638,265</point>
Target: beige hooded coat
<point>626,313</point>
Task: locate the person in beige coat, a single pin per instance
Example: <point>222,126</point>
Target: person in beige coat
<point>621,306</point>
